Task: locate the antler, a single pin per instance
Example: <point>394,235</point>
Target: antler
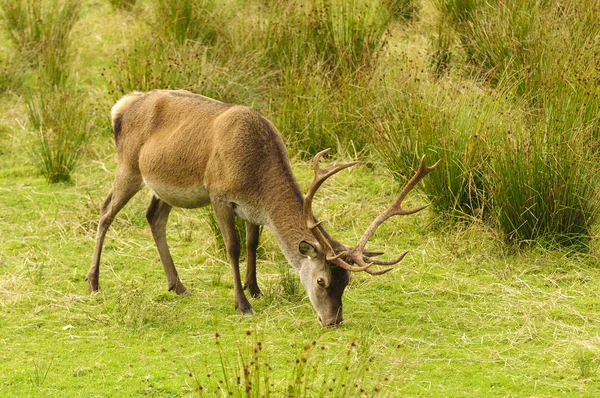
<point>320,176</point>
<point>357,253</point>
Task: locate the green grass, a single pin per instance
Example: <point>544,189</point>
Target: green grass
<point>514,121</point>
<point>60,121</point>
<point>458,316</point>
<point>39,32</point>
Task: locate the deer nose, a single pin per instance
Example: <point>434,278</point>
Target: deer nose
<point>331,322</point>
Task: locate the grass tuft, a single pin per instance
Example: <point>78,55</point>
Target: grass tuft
<point>61,121</point>
<point>39,31</point>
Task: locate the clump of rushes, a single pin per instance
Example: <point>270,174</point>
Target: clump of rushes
<point>402,9</point>
<point>61,120</point>
<point>149,63</point>
<point>182,20</point>
<point>11,74</point>
<point>345,37</point>
<point>528,45</point>
<point>39,31</point>
<point>453,128</point>
<point>546,177</point>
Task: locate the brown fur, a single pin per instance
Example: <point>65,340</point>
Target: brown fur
<point>193,151</point>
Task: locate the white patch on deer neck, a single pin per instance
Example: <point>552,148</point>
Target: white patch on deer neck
<point>249,213</point>
<point>185,197</point>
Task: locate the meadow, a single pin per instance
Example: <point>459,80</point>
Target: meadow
<point>498,295</point>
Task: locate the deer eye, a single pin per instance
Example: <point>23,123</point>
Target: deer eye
<point>321,282</point>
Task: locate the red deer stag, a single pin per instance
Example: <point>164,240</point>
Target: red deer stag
<point>192,151</point>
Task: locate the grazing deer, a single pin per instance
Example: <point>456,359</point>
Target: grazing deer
<point>193,151</point>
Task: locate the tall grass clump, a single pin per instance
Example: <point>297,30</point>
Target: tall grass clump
<point>520,43</point>
<point>445,125</point>
<point>546,189</point>
<point>301,111</point>
<point>11,74</point>
<point>39,31</point>
<point>313,113</point>
<point>402,9</point>
<point>181,20</point>
<point>149,63</point>
<point>544,55</point>
<point>61,120</point>
<point>343,36</point>
<point>547,176</point>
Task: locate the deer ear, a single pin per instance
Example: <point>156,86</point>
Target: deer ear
<point>307,249</point>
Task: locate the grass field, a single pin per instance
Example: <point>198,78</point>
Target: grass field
<point>475,309</point>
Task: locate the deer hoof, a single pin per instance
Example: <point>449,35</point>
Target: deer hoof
<point>179,288</point>
<point>92,285</point>
<point>254,290</point>
<point>245,308</point>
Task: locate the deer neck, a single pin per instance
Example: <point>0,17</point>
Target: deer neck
<point>287,223</point>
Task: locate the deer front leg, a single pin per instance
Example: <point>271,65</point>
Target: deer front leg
<point>252,237</point>
<point>124,187</point>
<point>157,215</point>
<point>225,218</point>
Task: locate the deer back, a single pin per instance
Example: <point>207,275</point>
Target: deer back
<point>191,149</point>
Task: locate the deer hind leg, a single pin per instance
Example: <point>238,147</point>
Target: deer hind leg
<point>252,237</point>
<point>225,218</point>
<point>123,189</point>
<point>157,215</point>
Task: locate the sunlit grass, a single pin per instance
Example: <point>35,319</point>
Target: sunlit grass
<point>507,101</point>
<point>39,31</point>
<point>60,121</point>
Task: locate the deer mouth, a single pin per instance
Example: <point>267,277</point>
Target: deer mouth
<point>332,322</point>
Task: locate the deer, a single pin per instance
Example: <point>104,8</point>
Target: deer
<point>194,151</point>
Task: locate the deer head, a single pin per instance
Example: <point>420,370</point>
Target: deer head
<point>328,275</point>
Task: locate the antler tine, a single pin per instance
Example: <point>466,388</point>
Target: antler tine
<point>379,271</point>
<point>384,262</point>
<point>356,253</point>
<point>321,174</point>
<point>395,208</point>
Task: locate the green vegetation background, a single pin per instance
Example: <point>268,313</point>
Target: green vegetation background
<point>498,296</point>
